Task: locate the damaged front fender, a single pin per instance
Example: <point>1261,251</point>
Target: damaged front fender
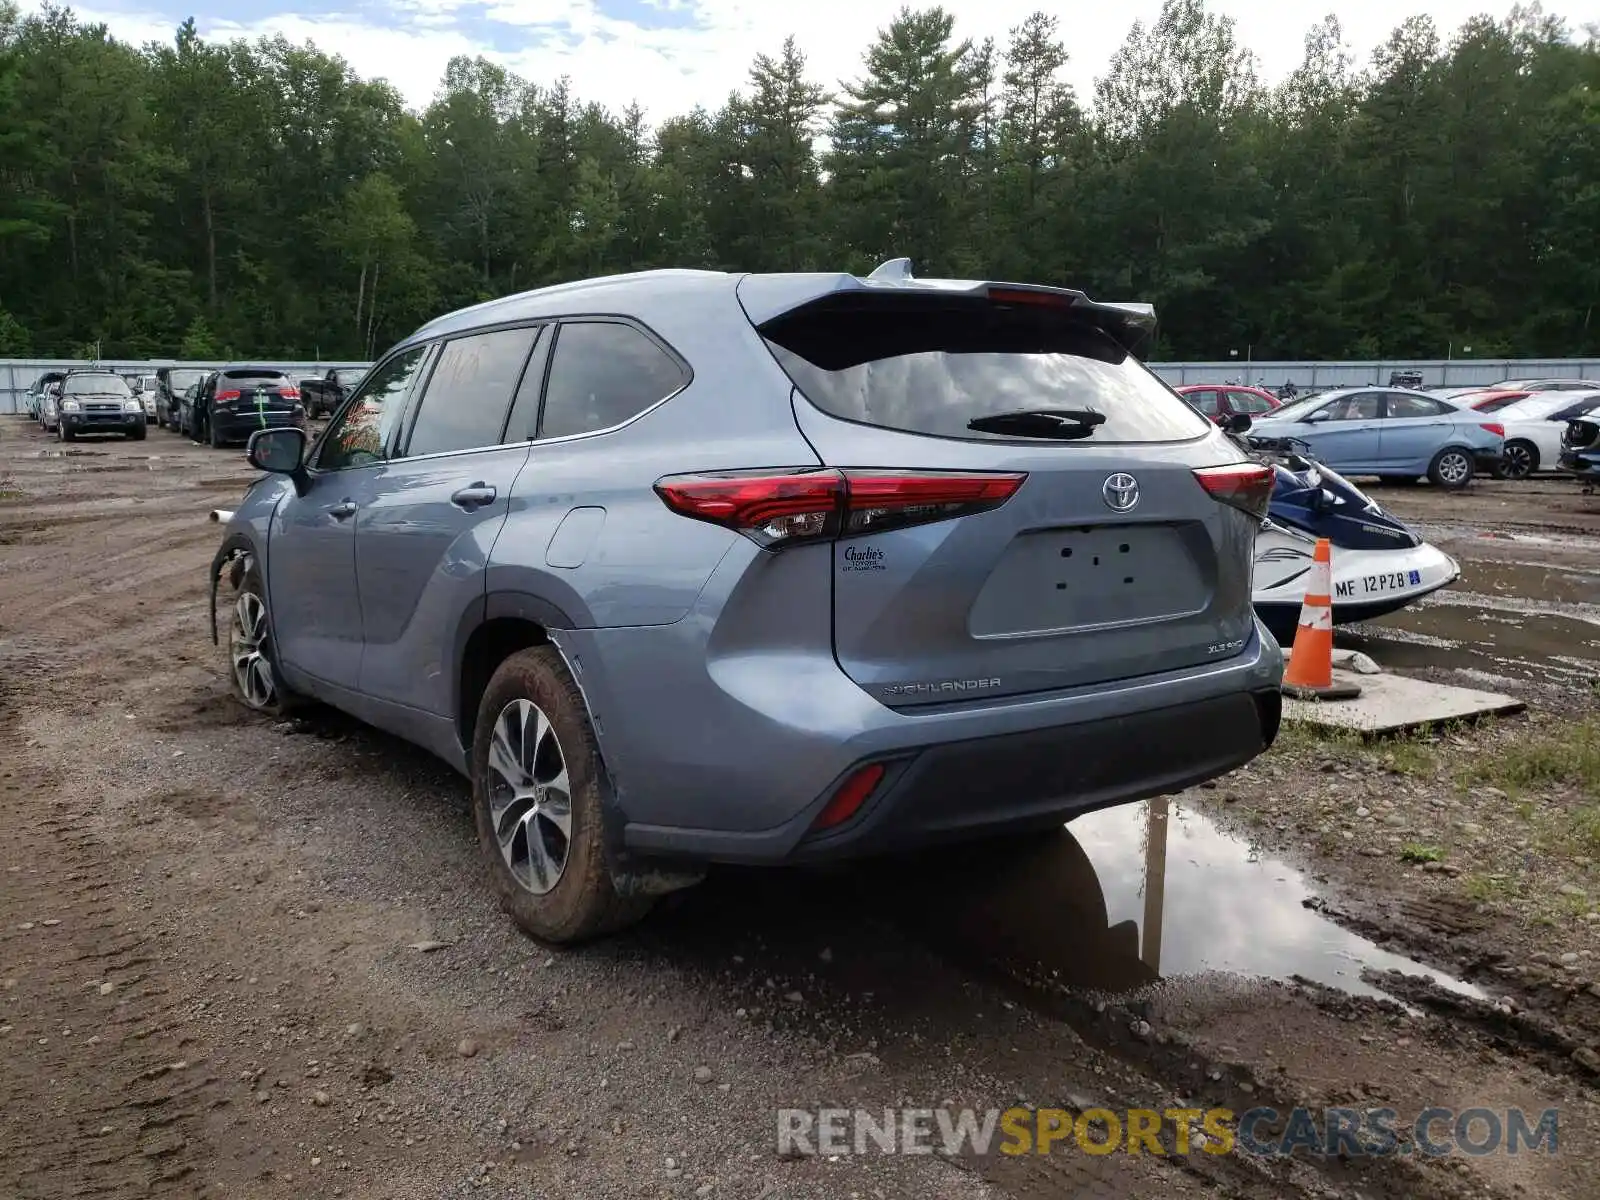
<point>234,556</point>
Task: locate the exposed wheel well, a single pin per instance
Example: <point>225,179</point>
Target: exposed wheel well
<point>489,645</point>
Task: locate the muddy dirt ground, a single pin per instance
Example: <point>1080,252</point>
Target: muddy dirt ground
<point>240,958</point>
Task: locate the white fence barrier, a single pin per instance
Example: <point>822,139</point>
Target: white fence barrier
<point>1458,372</point>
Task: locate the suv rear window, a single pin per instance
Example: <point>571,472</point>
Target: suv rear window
<point>930,365</point>
<point>254,373</point>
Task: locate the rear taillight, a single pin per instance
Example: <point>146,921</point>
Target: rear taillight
<point>1498,430</point>
<point>228,395</point>
<point>779,508</point>
<point>288,392</point>
<point>1246,486</point>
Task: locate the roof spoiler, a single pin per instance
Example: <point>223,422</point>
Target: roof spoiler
<point>769,297</point>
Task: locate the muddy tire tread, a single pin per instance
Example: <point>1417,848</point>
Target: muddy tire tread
<point>584,904</point>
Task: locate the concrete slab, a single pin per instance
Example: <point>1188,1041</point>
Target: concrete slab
<point>1396,703</point>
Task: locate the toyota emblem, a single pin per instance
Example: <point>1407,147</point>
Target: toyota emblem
<point>1120,491</point>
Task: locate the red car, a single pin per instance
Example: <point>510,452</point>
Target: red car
<point>1219,400</point>
<point>1494,401</point>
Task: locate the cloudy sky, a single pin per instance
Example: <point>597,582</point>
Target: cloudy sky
<point>672,54</point>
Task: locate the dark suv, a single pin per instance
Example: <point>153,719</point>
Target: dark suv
<point>236,401</point>
<point>99,402</point>
<point>686,567</point>
<point>171,384</point>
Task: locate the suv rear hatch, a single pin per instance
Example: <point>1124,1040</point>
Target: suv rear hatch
<point>256,392</point>
<point>1106,557</point>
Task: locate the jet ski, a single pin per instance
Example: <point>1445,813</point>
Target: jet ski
<point>1379,565</point>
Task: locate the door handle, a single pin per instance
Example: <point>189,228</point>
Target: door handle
<point>345,508</point>
<point>474,496</point>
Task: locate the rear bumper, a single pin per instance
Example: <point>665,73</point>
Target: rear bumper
<point>733,761</point>
<point>1486,461</point>
<point>237,427</point>
<point>1040,779</point>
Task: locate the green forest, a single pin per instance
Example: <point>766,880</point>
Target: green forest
<point>203,199</point>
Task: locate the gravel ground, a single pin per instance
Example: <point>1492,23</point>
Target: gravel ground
<point>241,958</point>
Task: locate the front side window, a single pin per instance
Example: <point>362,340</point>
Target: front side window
<point>1363,406</point>
<point>360,435</point>
<point>465,403</point>
<point>604,373</point>
<point>1249,402</point>
<point>1207,402</point>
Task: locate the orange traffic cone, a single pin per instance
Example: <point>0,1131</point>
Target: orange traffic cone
<point>1309,675</point>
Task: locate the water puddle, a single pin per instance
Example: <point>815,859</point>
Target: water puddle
<point>1534,622</point>
<point>1131,895</point>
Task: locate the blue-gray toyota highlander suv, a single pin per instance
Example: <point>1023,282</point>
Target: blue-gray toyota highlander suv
<point>686,567</point>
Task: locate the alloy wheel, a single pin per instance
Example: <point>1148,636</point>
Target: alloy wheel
<point>1516,462</point>
<point>252,671</point>
<point>1454,467</point>
<point>530,796</point>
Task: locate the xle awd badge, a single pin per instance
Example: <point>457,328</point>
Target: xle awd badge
<point>1120,492</point>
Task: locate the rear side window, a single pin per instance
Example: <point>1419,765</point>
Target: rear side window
<point>469,392</point>
<point>1249,402</point>
<point>930,366</point>
<point>605,373</point>
<point>1415,406</point>
<point>1205,401</point>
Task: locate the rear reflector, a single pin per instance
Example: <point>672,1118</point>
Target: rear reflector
<point>1491,427</point>
<point>1246,486</point>
<point>807,504</point>
<point>852,794</point>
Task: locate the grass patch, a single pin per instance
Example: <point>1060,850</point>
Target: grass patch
<point>1569,757</point>
<point>1414,852</point>
<point>1586,828</point>
<point>1484,888</point>
<point>1410,758</point>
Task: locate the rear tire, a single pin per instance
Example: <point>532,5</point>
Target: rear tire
<point>536,768</point>
<point>213,436</point>
<point>1519,460</point>
<point>63,434</point>
<point>1451,469</point>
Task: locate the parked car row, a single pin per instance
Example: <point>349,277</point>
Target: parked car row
<point>216,406</point>
<point>87,401</point>
<point>1402,433</point>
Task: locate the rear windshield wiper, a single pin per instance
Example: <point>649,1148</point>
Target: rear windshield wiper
<point>1063,424</point>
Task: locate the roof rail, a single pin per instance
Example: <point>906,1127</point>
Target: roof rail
<point>897,269</point>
